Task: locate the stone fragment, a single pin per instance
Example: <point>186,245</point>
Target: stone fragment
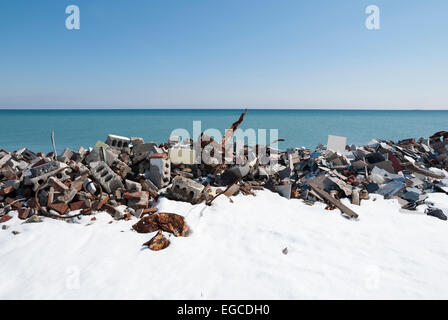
<point>34,219</point>
<point>24,213</point>
<point>434,212</point>
<point>132,186</point>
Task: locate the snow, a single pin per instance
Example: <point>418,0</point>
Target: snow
<point>235,252</point>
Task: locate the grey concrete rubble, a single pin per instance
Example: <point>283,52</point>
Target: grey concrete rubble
<point>117,142</point>
<point>185,189</point>
<point>132,174</point>
<point>159,169</point>
<point>108,179</point>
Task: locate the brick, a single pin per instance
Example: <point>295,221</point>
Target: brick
<point>5,218</point>
<point>24,213</point>
<point>61,208</point>
<point>77,205</point>
<point>57,184</point>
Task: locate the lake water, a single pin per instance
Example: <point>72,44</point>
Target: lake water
<point>73,128</point>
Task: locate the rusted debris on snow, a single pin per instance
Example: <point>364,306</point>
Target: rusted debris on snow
<point>169,222</point>
<point>158,242</point>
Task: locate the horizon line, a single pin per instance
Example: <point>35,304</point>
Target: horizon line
<point>219,108</point>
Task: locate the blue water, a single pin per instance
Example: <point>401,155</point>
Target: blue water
<point>73,128</point>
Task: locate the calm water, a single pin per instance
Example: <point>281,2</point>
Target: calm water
<point>31,128</point>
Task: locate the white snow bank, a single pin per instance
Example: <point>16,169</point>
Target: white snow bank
<point>234,252</point>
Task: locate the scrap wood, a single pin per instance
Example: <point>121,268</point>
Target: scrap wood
<point>231,131</point>
<point>209,203</point>
<point>413,168</point>
<point>349,212</point>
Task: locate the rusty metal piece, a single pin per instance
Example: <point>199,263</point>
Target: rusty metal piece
<point>158,242</point>
<point>209,203</point>
<point>169,222</point>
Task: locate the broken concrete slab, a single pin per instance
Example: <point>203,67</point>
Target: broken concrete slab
<point>336,143</point>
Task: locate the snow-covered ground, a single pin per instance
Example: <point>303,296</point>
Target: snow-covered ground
<point>234,252</point>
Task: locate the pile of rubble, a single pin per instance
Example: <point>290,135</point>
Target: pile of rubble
<point>132,174</point>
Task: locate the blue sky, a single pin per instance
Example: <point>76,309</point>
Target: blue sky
<point>224,54</point>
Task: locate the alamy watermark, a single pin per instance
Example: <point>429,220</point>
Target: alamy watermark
<point>73,21</point>
<point>72,278</point>
<point>373,20</point>
<point>238,146</point>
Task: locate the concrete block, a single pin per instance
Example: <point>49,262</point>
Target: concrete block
<point>185,189</point>
<point>109,156</point>
<point>133,186</point>
<point>105,176</point>
<point>66,155</point>
<point>39,175</point>
<point>160,170</point>
<point>117,142</point>
<point>93,156</point>
<point>24,154</point>
<point>137,200</point>
<point>136,140</point>
<point>145,148</point>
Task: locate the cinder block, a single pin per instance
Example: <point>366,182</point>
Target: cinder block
<point>39,175</point>
<point>117,142</point>
<point>160,170</point>
<point>185,189</point>
<point>105,176</point>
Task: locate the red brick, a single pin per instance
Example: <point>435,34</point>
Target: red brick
<point>61,208</point>
<point>6,190</point>
<point>78,205</point>
<point>5,218</point>
<point>24,213</point>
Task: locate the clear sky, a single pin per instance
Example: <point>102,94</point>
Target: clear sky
<point>224,54</point>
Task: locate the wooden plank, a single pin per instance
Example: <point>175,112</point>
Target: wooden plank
<point>411,167</point>
<point>338,204</point>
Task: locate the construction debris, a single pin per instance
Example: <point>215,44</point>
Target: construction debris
<point>130,172</point>
<point>168,222</point>
<point>158,242</point>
